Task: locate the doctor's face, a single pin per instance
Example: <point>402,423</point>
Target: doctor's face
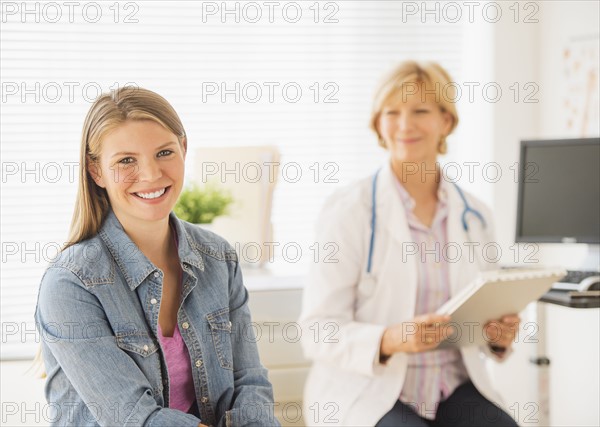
<point>412,127</point>
<point>141,166</point>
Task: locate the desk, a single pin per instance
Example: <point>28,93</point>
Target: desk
<point>563,298</point>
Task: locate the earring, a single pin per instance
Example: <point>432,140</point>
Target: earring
<point>382,142</point>
<point>442,146</point>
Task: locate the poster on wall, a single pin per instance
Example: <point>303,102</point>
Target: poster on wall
<point>582,91</point>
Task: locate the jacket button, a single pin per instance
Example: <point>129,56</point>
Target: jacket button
<point>145,348</point>
<point>185,325</point>
<point>204,400</point>
<point>156,274</point>
<point>198,363</point>
<point>153,301</point>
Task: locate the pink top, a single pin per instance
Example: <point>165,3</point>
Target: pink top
<point>431,376</point>
<point>181,383</point>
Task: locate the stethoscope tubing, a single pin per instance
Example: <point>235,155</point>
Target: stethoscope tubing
<point>466,210</point>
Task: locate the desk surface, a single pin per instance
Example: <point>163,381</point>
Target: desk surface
<point>563,298</point>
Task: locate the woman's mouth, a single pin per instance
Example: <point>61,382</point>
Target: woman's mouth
<point>152,195</point>
<point>408,140</point>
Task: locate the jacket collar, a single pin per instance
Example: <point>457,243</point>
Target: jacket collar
<point>134,265</point>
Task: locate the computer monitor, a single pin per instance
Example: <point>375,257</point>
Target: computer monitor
<point>559,191</point>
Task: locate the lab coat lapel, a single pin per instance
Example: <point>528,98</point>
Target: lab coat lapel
<point>461,271</point>
<point>390,206</point>
<point>398,268</point>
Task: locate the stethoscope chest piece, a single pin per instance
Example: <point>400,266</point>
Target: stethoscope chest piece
<point>367,284</point>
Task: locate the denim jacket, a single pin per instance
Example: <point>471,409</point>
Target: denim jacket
<point>97,314</point>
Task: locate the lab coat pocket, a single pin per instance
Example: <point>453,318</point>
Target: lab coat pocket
<point>366,286</point>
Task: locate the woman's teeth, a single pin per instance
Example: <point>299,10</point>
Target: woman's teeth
<point>154,195</point>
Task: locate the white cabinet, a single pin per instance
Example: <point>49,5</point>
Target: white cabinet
<point>275,305</point>
<point>573,345</point>
<point>566,391</point>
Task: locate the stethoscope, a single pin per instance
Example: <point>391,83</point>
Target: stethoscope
<point>468,209</point>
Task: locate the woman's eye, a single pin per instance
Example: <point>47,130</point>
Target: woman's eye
<point>126,160</point>
<point>391,113</point>
<point>422,110</point>
<point>129,160</point>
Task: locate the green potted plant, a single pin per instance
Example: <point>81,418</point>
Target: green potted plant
<point>201,205</point>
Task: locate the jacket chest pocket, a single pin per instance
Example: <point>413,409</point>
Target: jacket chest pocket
<point>138,343</point>
<point>220,330</point>
<point>144,352</point>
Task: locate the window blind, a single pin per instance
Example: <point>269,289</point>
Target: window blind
<point>300,76</point>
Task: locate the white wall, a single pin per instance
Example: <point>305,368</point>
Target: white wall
<point>532,52</point>
<point>563,24</point>
<point>535,53</point>
<point>514,48</point>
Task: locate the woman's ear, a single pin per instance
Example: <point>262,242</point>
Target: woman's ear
<point>376,126</point>
<point>184,145</point>
<point>448,122</point>
<point>95,173</point>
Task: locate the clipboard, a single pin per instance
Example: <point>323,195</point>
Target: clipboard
<point>492,295</point>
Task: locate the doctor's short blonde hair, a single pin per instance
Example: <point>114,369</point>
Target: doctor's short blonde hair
<point>408,78</point>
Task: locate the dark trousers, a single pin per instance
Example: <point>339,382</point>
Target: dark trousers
<point>465,407</point>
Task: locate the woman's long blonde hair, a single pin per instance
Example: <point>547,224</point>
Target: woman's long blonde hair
<point>109,111</point>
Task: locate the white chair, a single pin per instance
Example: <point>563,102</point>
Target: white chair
<point>250,175</point>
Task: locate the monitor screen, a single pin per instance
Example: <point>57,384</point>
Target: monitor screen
<point>559,191</point>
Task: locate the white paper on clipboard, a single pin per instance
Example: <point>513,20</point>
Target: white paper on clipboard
<point>490,296</point>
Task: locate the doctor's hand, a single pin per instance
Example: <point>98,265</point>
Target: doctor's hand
<point>501,333</point>
<point>423,333</point>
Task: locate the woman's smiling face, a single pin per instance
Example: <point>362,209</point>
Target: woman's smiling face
<point>412,127</point>
<point>141,166</point>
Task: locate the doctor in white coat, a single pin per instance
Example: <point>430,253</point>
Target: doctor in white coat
<point>407,240</point>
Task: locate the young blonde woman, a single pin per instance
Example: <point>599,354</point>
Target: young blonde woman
<point>379,362</point>
<point>144,317</point>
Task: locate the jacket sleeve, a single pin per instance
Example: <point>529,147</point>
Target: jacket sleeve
<point>253,394</point>
<point>77,336</point>
<point>330,332</point>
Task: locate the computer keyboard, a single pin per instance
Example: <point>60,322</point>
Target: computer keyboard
<point>575,276</point>
<point>577,280</point>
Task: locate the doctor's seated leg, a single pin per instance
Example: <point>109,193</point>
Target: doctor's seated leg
<point>466,407</point>
<point>402,415</point>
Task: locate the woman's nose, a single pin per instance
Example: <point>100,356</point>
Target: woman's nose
<point>404,121</point>
<point>149,171</point>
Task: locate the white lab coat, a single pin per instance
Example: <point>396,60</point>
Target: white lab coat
<point>345,312</point>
